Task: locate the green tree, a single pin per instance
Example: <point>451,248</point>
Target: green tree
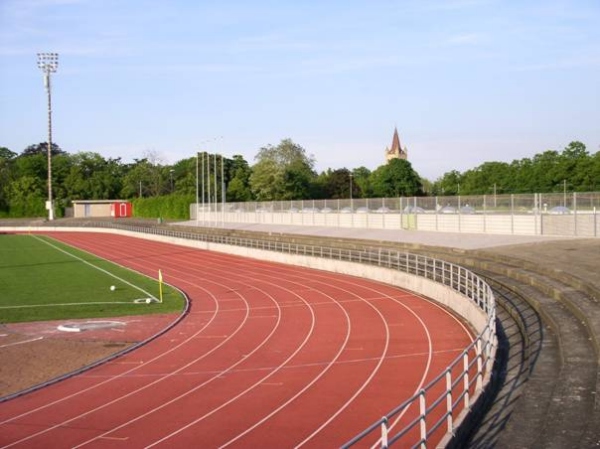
<point>184,176</point>
<point>6,154</point>
<point>6,173</point>
<point>27,197</point>
<point>594,171</point>
<point>42,148</point>
<point>239,171</point>
<point>396,178</point>
<point>282,172</point>
<point>139,180</point>
<point>361,178</point>
<point>337,185</point>
<point>574,166</point>
<point>545,173</point>
<point>521,177</point>
<point>485,179</point>
<point>448,184</point>
<point>92,177</point>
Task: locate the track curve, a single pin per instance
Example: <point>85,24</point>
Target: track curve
<point>269,355</point>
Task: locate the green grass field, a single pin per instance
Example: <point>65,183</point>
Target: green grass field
<point>41,279</point>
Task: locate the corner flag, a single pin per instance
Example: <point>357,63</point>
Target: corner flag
<point>160,283</point>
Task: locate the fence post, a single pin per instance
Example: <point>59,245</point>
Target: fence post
<point>423,414</point>
<point>459,214</point>
<point>449,417</point>
<point>512,213</point>
<point>489,346</point>
<point>575,211</point>
<point>437,208</point>
<point>384,432</point>
<point>484,214</point>
<point>479,355</point>
<point>466,379</point>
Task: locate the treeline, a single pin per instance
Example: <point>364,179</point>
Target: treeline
<point>573,170</point>
<point>282,172</point>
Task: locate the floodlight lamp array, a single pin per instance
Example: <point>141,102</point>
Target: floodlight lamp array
<point>48,62</point>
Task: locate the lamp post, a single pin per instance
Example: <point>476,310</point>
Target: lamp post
<point>48,63</point>
<point>171,176</point>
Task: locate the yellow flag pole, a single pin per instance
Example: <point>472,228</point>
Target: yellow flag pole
<point>160,282</point>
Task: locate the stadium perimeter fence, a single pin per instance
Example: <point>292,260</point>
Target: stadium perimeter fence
<point>550,214</point>
<point>441,405</point>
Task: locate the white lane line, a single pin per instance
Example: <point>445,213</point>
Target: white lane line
<point>21,342</point>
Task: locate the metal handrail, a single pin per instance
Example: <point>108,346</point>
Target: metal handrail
<point>461,383</point>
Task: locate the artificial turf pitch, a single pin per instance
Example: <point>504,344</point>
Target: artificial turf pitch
<point>42,279</point>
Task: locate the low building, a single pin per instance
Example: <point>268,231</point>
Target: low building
<point>102,208</point>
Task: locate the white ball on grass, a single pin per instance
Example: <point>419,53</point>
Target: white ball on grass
<point>148,300</point>
<point>112,288</point>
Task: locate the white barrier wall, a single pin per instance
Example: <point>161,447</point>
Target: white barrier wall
<point>477,224</point>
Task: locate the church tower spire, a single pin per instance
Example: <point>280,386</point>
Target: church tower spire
<point>396,151</point>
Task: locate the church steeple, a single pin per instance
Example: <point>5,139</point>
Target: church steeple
<point>396,151</point>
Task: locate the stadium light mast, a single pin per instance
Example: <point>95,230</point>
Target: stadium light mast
<point>48,63</point>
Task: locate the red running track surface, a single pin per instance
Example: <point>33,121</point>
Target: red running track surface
<point>270,355</point>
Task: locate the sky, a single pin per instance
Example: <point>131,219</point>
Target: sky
<point>464,81</point>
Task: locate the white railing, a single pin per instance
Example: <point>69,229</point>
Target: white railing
<point>433,414</point>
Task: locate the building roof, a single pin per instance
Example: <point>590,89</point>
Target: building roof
<point>98,201</point>
<point>396,147</point>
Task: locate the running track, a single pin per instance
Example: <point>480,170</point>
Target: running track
<point>270,355</point>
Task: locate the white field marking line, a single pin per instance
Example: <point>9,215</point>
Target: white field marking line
<point>21,342</point>
<point>395,298</point>
<point>123,375</point>
<point>257,383</point>
<point>66,304</point>
<point>93,266</point>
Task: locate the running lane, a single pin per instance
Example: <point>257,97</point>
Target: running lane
<point>270,355</point>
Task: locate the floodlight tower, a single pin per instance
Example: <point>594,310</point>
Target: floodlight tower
<point>48,63</point>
